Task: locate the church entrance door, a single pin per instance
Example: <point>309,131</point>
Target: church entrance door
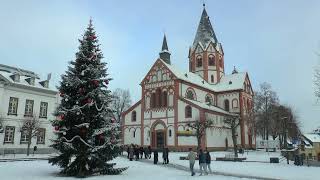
<point>160,138</point>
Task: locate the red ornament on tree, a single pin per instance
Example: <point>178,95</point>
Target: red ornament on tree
<point>100,136</point>
<point>61,116</point>
<point>56,128</point>
<point>61,94</point>
<point>106,81</point>
<point>95,82</point>
<point>93,37</point>
<point>81,90</point>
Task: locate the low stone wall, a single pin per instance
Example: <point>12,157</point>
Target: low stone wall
<point>24,150</point>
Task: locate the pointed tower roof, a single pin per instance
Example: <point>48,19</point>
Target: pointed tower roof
<point>165,53</point>
<point>164,44</point>
<point>205,31</point>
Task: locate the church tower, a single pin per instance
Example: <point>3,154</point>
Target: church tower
<point>206,53</point>
<point>165,53</point>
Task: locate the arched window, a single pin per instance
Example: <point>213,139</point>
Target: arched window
<point>165,99</point>
<point>248,105</point>
<point>159,99</point>
<point>209,100</point>
<point>211,60</point>
<point>149,134</point>
<point>190,94</point>
<point>235,103</point>
<point>212,78</point>
<point>188,112</point>
<point>226,105</point>
<point>134,133</point>
<point>170,133</point>
<point>153,100</point>
<point>134,116</point>
<point>199,61</point>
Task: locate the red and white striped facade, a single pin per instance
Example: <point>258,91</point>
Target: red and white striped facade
<point>172,98</point>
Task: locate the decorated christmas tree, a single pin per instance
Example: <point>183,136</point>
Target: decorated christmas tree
<point>87,135</point>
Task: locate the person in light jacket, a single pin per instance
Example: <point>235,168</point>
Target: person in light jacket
<point>192,159</point>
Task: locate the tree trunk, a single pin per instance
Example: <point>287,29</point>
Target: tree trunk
<point>29,142</point>
<point>234,140</point>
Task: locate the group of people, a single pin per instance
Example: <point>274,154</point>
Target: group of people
<point>136,152</point>
<point>204,161</point>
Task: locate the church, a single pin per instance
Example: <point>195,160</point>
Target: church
<point>171,99</point>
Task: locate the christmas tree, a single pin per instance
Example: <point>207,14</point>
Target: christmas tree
<point>87,135</point>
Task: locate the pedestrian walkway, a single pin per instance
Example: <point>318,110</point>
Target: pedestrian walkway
<point>184,168</point>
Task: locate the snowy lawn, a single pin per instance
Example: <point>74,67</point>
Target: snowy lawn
<point>38,170</point>
<point>260,169</point>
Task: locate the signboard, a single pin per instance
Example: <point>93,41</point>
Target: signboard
<point>268,144</point>
<point>186,133</point>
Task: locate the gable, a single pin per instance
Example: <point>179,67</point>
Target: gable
<point>159,72</point>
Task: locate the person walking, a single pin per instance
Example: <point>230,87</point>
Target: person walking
<point>155,156</point>
<point>128,151</point>
<point>146,153</point>
<point>131,152</point>
<point>149,151</point>
<point>208,161</point>
<point>164,155</point>
<point>202,163</point>
<point>192,160</point>
<point>141,151</point>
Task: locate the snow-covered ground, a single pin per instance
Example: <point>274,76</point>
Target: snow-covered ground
<point>260,169</point>
<point>40,169</point>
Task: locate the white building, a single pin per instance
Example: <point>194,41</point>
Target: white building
<point>172,98</point>
<point>23,95</point>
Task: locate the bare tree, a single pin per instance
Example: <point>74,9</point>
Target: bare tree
<point>263,104</point>
<point>121,102</point>
<point>233,123</point>
<point>1,124</point>
<point>200,127</point>
<point>317,81</point>
<point>31,127</point>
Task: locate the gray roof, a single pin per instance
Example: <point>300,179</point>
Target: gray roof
<point>164,44</point>
<point>205,32</point>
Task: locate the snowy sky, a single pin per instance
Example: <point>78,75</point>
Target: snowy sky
<point>274,41</point>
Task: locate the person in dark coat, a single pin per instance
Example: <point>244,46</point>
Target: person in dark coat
<point>136,152</point>
<point>202,163</point>
<point>141,151</point>
<point>165,155</point>
<point>208,161</point>
<point>128,148</point>
<point>149,151</point>
<point>146,153</point>
<point>155,156</point>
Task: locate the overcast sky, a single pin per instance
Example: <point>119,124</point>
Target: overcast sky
<point>275,41</point>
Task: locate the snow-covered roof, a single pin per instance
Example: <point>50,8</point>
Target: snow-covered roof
<point>211,108</point>
<point>313,137</point>
<point>7,77</point>
<point>227,83</point>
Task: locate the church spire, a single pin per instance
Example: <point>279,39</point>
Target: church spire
<point>165,54</point>
<point>205,31</point>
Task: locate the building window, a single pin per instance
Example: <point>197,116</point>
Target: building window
<point>159,99</point>
<point>13,106</point>
<point>199,61</point>
<point>9,134</point>
<point>134,116</point>
<point>134,133</point>
<point>43,109</point>
<point>209,100</point>
<point>212,78</point>
<point>226,105</point>
<point>41,136</point>
<point>188,112</point>
<point>153,100</point>
<point>235,103</point>
<point>190,95</point>
<point>165,99</point>
<point>211,60</point>
<point>24,137</point>
<point>170,133</point>
<point>221,63</point>
<point>149,134</point>
<point>29,108</point>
